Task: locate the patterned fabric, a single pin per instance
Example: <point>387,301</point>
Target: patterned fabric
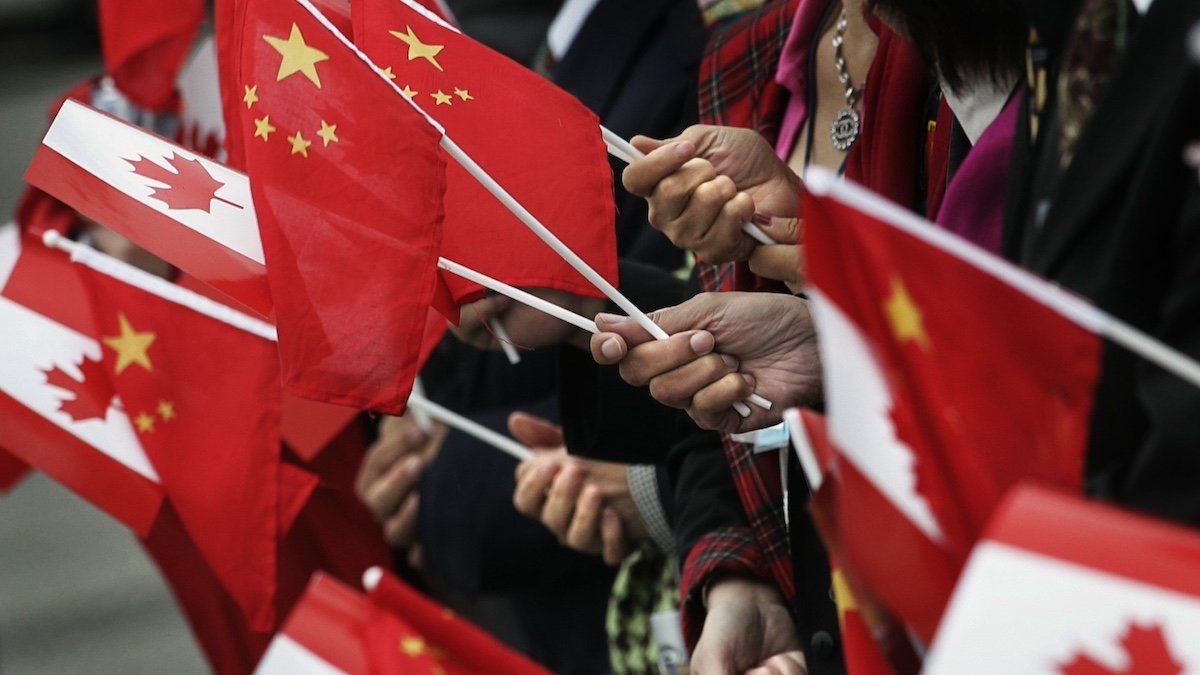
<point>643,487</point>
<point>645,586</point>
<point>738,88</point>
<point>1097,43</point>
<point>716,11</point>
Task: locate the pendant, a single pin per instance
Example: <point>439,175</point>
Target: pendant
<point>846,127</point>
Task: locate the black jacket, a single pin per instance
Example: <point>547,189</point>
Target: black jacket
<point>1121,226</point>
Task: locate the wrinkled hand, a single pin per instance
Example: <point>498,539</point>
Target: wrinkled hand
<point>585,503</point>
<point>782,261</point>
<point>388,479</point>
<point>526,327</point>
<point>747,630</point>
<point>723,347</point>
<point>704,184</point>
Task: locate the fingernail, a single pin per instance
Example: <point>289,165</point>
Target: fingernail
<point>749,379</point>
<point>761,219</point>
<point>702,343</point>
<point>611,348</point>
<point>611,518</point>
<point>605,319</point>
<point>730,362</point>
<point>685,150</point>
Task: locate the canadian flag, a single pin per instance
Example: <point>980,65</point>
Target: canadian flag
<point>936,406</point>
<point>201,122</point>
<point>179,205</point>
<point>58,410</point>
<point>1062,586</point>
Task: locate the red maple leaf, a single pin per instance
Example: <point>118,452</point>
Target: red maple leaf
<point>1148,655</point>
<point>189,186</point>
<point>93,394</point>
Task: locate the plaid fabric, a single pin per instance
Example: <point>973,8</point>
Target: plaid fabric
<point>737,88</point>
<point>732,551</point>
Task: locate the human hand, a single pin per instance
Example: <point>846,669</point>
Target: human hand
<point>388,479</point>
<point>782,261</point>
<point>585,503</point>
<point>526,326</point>
<point>747,630</point>
<point>723,347</point>
<point>704,184</point>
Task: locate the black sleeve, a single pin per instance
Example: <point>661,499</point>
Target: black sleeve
<point>605,418</point>
<point>704,497</point>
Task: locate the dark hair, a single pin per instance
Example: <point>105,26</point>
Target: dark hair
<point>963,40</point>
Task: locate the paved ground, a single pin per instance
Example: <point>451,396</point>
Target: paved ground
<point>77,595</point>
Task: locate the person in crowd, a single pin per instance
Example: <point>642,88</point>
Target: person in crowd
<point>634,64</point>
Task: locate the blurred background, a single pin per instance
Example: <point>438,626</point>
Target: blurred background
<point>77,594</point>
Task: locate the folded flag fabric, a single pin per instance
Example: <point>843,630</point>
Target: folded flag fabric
<point>336,629</point>
<point>540,143</point>
<point>185,379</point>
<point>1063,586</point>
<point>12,471</point>
<point>58,409</point>
<point>936,405</point>
<point>145,42</point>
<point>348,183</point>
<point>179,205</point>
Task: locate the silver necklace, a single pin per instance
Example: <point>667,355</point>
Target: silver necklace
<point>847,124</point>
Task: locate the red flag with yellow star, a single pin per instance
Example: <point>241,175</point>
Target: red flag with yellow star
<point>203,396</point>
<point>950,376</point>
<point>540,143</point>
<point>347,181</point>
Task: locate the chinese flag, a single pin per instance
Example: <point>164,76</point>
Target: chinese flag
<point>347,182</point>
<point>204,399</point>
<point>145,43</point>
<point>1062,585</point>
<point>950,376</point>
<point>541,144</point>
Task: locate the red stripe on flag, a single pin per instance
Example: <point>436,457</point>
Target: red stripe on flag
<point>1083,532</point>
<point>230,272</point>
<point>124,494</point>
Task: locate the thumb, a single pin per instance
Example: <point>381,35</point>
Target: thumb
<point>534,431</point>
<point>782,230</point>
<point>647,144</point>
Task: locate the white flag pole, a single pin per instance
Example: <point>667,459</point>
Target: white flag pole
<point>623,150</point>
<point>470,427</point>
<point>138,278</point>
<point>523,297</point>
<point>506,345</point>
<point>822,182</point>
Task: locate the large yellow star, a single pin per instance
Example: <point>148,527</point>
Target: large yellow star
<point>441,98</point>
<point>131,346</point>
<point>298,57</point>
<point>412,646</point>
<point>328,133</point>
<point>299,145</point>
<point>166,410</point>
<point>144,422</point>
<point>905,316</point>
<point>263,128</point>
<point>251,96</point>
<point>418,49</point>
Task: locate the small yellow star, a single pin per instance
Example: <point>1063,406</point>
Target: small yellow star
<point>418,49</point>
<point>131,346</point>
<point>328,133</point>
<point>298,57</point>
<point>441,98</point>
<point>412,646</point>
<point>387,72</point>
<point>299,145</point>
<point>166,410</point>
<point>144,422</point>
<point>251,96</point>
<point>463,94</point>
<point>905,316</point>
<point>409,91</point>
<point>263,128</point>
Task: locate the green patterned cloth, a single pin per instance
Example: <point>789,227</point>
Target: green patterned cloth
<point>646,585</point>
